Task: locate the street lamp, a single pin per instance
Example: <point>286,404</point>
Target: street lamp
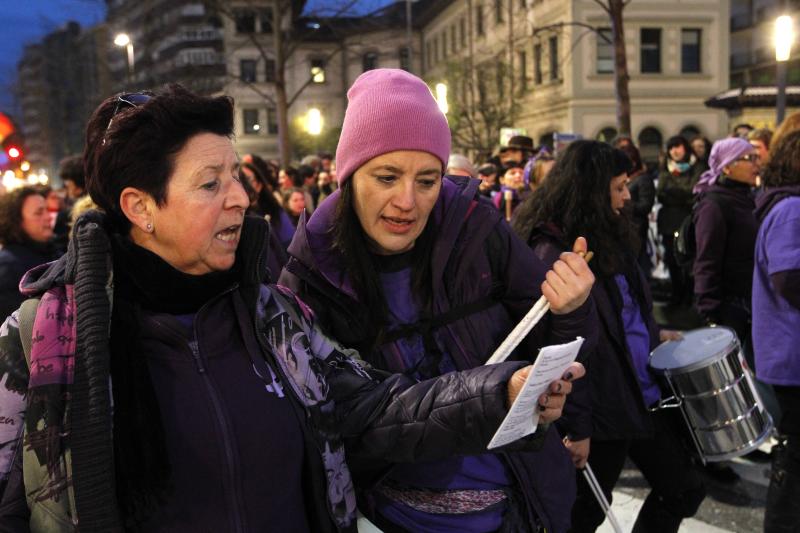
<point>123,40</point>
<point>784,37</point>
<point>441,97</point>
<point>314,121</point>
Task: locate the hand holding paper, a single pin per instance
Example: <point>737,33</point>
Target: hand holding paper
<point>523,416</point>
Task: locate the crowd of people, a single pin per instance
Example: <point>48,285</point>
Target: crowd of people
<point>198,341</point>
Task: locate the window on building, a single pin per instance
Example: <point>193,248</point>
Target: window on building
<point>247,70</point>
<point>650,140</point>
<point>453,39</point>
<point>443,36</point>
<point>690,50</point>
<point>537,64</point>
<point>498,11</point>
<point>522,57</point>
<point>650,50</point>
<point>318,70</point>
<point>605,51</point>
<point>523,4</point>
<point>405,58</point>
<point>436,49</point>
<point>462,30</point>
<point>369,61</point>
<point>250,119</point>
<point>554,58</point>
<point>428,54</point>
<point>269,67</point>
<point>245,21</point>
<point>272,121</point>
<point>607,134</point>
<point>479,20</point>
<point>265,16</point>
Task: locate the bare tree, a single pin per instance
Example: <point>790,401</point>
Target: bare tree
<point>614,8</point>
<point>484,103</point>
<point>279,46</point>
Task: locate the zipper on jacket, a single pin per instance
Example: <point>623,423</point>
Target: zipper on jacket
<point>233,493</point>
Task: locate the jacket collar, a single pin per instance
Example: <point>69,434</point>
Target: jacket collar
<point>771,196</point>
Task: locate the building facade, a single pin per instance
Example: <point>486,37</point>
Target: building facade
<point>562,70</point>
<point>59,83</point>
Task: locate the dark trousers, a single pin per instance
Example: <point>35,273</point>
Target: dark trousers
<point>782,514</point>
<point>677,487</point>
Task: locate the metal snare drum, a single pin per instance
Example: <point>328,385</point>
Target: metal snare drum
<point>714,390</point>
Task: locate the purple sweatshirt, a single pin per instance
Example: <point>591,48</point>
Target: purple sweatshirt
<point>776,322</point>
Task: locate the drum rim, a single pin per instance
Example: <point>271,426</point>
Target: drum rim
<point>691,367</point>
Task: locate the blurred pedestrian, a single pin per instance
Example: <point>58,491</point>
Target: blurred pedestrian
<point>776,322</point>
<point>460,165</point>
<point>490,184</point>
<point>701,147</point>
<point>760,139</point>
<point>512,190</point>
<point>677,177</point>
<point>537,167</point>
<point>789,124</point>
<point>71,172</point>
<point>643,197</point>
<point>26,237</point>
<point>266,206</point>
<point>420,271</point>
<point>294,201</point>
<point>586,194</point>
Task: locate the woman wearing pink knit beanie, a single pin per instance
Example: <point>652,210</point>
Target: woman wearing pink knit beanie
<point>423,276</point>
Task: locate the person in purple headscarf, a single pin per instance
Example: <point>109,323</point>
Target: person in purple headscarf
<point>725,230</point>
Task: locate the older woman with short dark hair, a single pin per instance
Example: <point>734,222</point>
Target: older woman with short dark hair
<point>26,239</point>
<point>154,382</point>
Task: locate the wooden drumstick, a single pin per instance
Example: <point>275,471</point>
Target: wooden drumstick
<point>528,322</point>
<point>508,196</point>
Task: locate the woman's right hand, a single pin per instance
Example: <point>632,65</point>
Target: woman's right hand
<point>578,451</point>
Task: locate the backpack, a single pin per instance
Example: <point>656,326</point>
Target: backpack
<point>684,247</point>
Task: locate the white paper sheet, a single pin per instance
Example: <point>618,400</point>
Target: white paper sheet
<point>523,417</point>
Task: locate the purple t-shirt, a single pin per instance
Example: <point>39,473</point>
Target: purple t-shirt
<point>776,323</point>
<point>479,472</point>
<point>637,337</point>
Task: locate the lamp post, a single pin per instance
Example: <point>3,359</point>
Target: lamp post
<point>784,37</point>
<point>123,40</point>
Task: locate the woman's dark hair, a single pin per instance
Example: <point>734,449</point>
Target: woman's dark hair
<point>296,180</point>
<point>633,154</point>
<point>71,168</point>
<point>267,170</point>
<point>265,199</point>
<point>706,142</point>
<point>679,140</point>
<point>138,147</point>
<point>350,241</point>
<point>783,167</point>
<point>576,198</point>
<point>11,231</point>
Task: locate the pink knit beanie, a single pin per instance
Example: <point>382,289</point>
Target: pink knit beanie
<point>389,109</point>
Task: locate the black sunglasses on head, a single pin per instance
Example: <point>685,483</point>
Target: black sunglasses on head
<point>128,100</point>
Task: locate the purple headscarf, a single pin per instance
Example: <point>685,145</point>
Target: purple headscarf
<point>723,153</point>
<point>527,174</point>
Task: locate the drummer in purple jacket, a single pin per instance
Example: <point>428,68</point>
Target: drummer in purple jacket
<point>423,275</point>
<point>776,322</point>
<point>586,194</point>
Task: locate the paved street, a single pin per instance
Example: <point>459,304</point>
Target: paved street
<point>736,507</point>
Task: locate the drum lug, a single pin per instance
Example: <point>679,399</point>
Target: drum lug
<point>666,403</point>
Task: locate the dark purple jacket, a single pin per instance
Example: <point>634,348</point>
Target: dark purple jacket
<point>616,407</point>
<point>475,254</point>
<point>725,233</point>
